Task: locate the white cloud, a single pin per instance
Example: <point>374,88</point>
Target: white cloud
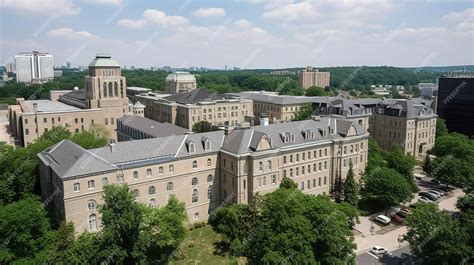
<point>465,15</point>
<point>69,33</point>
<point>209,12</point>
<point>290,11</point>
<point>131,24</point>
<point>243,24</point>
<point>153,17</point>
<point>43,7</point>
<point>103,2</point>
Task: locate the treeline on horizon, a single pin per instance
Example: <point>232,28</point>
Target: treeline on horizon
<point>342,78</point>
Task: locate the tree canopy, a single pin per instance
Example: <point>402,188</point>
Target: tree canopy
<point>304,112</point>
<point>351,189</point>
<point>288,226</point>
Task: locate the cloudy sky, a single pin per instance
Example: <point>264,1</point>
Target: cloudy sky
<point>242,33</point>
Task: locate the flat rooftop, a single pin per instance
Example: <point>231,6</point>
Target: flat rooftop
<point>45,105</point>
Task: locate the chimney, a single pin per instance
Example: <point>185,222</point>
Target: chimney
<point>112,147</point>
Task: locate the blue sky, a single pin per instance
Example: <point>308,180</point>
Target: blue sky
<point>242,33</point>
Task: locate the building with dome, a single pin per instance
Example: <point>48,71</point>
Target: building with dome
<point>102,101</point>
<point>180,82</point>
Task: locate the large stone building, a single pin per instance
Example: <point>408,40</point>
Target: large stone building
<point>312,77</point>
<point>101,102</point>
<point>203,170</point>
<point>414,128</point>
<point>180,82</point>
<point>187,109</point>
<point>34,67</point>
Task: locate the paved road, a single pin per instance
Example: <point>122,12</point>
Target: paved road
<point>395,257</point>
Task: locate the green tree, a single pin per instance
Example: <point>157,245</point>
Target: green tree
<point>25,232</point>
<point>287,183</point>
<point>441,129</point>
<point>374,157</point>
<point>435,237</point>
<point>315,91</point>
<point>386,187</point>
<point>427,163</point>
<point>454,144</point>
<point>403,164</point>
<point>451,170</point>
<point>121,218</point>
<point>351,189</point>
<point>202,126</point>
<point>305,111</point>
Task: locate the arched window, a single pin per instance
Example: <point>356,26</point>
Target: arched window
<point>208,162</point>
<point>105,181</point>
<point>151,190</point>
<point>160,170</point>
<point>209,192</point>
<point>195,196</point>
<point>92,222</point>
<point>135,174</point>
<point>195,164</point>
<point>136,193</point>
<point>171,169</point>
<point>105,90</point>
<point>192,148</point>
<point>169,186</point>
<point>148,172</point>
<point>115,89</point>
<point>91,184</point>
<point>77,187</point>
<point>208,145</point>
<point>110,90</point>
<point>210,178</point>
<point>195,181</point>
<point>152,203</point>
<point>120,179</point>
<point>91,205</point>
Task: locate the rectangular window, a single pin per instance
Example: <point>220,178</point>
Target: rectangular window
<point>27,131</point>
<point>26,121</point>
<point>245,184</point>
<point>45,120</point>
<point>274,179</point>
<point>284,159</point>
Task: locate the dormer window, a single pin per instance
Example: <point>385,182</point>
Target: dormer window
<point>191,148</point>
<point>207,144</point>
<point>292,137</point>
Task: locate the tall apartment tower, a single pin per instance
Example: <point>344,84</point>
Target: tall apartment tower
<point>180,82</point>
<point>34,67</point>
<point>312,77</point>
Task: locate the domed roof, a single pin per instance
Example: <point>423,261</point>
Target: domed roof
<point>103,60</point>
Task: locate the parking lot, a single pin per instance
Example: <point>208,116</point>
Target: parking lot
<point>370,233</point>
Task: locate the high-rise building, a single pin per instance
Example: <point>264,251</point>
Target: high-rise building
<point>34,66</point>
<point>312,77</point>
<point>456,102</point>
<point>10,67</point>
<point>68,65</point>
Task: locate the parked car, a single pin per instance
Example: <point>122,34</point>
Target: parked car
<point>377,250</point>
<point>428,195</point>
<point>440,191</point>
<point>434,193</point>
<point>425,200</point>
<point>435,181</point>
<point>404,213</point>
<point>382,219</point>
<point>418,176</point>
<point>396,218</point>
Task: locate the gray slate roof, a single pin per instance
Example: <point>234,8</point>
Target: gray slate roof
<point>194,96</point>
<point>68,159</point>
<point>151,127</point>
<point>242,141</point>
<point>103,60</point>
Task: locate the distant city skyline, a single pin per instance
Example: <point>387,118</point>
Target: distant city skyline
<point>242,33</point>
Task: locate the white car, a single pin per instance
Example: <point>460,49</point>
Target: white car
<point>425,200</point>
<point>377,250</point>
<point>382,219</point>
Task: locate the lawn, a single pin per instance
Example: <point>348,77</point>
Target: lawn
<point>199,248</point>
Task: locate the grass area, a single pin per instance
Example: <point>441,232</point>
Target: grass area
<point>199,247</point>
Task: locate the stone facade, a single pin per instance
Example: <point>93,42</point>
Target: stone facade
<point>203,170</point>
<point>180,82</point>
<point>312,77</point>
<point>102,102</point>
